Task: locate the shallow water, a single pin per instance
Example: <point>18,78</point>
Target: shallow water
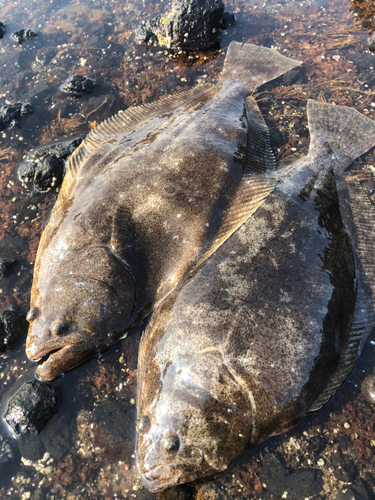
<point>87,449</point>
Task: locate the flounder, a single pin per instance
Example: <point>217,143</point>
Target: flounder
<point>272,323</point>
<point>147,197</point>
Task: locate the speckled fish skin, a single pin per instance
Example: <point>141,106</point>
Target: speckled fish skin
<point>146,198</point>
<point>272,324</point>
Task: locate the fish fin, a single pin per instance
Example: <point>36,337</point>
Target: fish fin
<point>358,215</point>
<point>126,120</point>
<point>339,131</point>
<point>251,193</point>
<point>252,65</point>
<point>259,156</point>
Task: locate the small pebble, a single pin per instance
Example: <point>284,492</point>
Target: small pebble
<point>368,389</point>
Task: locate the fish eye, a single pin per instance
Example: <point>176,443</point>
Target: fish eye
<point>32,314</point>
<point>59,327</point>
<point>144,424</point>
<point>170,444</point>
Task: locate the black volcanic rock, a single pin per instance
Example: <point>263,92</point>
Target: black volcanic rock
<point>78,84</point>
<point>31,408</point>
<point>11,327</point>
<point>11,114</point>
<point>189,25</point>
<point>45,166</point>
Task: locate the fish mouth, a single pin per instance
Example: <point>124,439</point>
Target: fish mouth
<point>54,360</point>
<point>170,478</point>
<point>159,476</point>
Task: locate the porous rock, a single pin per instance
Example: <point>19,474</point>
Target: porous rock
<point>45,166</point>
<point>24,35</point>
<point>11,326</point>
<point>11,114</point>
<point>188,25</point>
<point>31,408</point>
<point>78,84</point>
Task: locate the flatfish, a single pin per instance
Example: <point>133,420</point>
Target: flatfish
<point>147,197</point>
<point>272,324</point>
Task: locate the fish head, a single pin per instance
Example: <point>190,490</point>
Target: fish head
<point>78,309</point>
<point>193,422</point>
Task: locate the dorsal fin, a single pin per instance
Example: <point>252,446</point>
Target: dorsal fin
<point>251,193</point>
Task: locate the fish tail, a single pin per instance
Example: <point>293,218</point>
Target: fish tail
<point>342,132</point>
<point>252,65</point>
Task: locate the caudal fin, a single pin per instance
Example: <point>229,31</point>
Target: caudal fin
<point>253,65</point>
<point>340,131</point>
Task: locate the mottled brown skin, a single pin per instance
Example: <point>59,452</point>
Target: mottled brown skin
<point>143,208</point>
<point>268,328</point>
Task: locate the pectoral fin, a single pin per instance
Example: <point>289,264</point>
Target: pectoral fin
<point>251,193</point>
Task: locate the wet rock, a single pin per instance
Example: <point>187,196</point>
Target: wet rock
<point>31,408</point>
<point>345,469</point>
<point>58,436</point>
<point>108,428</point>
<point>2,31</point>
<point>24,35</point>
<point>45,166</point>
<point>368,389</point>
<point>11,114</point>
<point>12,325</point>
<point>31,447</point>
<point>78,84</point>
<point>298,484</point>
<point>189,25</point>
<point>6,266</point>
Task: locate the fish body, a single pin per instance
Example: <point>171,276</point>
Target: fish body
<point>271,325</point>
<point>147,197</point>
